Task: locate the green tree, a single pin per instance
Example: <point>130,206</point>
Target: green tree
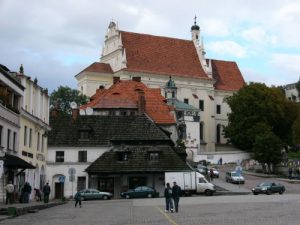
<point>267,147</point>
<point>63,96</point>
<point>260,114</point>
<point>298,87</point>
<point>296,131</point>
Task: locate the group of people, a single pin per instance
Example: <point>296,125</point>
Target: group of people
<point>172,194</point>
<point>25,193</point>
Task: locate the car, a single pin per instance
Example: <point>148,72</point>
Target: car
<point>202,169</point>
<point>234,177</point>
<point>90,194</point>
<point>268,188</point>
<point>215,172</point>
<point>140,192</point>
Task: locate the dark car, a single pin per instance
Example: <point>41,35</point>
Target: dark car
<point>140,192</point>
<point>89,194</point>
<point>215,172</point>
<point>268,188</point>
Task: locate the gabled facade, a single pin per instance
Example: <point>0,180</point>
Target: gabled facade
<point>202,83</point>
<point>291,92</point>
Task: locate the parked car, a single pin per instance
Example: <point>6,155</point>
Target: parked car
<point>89,194</point>
<point>234,177</point>
<point>202,169</point>
<point>215,172</point>
<point>268,188</point>
<point>140,192</point>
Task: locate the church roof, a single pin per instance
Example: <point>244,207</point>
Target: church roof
<point>161,55</point>
<point>227,75</point>
<point>125,93</point>
<point>98,68</point>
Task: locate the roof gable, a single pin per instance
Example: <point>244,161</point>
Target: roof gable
<point>227,74</point>
<point>97,67</point>
<point>161,55</point>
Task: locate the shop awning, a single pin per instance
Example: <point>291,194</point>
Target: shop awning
<point>15,162</point>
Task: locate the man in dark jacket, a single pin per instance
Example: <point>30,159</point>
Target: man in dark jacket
<point>46,191</point>
<point>26,192</point>
<point>168,197</point>
<point>176,190</point>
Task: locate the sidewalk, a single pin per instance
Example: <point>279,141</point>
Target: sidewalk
<point>17,209</point>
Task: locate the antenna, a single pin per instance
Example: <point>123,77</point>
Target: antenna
<point>73,105</point>
<point>89,111</point>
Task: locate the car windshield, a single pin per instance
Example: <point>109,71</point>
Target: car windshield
<point>235,174</point>
<point>265,184</point>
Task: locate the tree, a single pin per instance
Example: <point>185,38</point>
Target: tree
<point>63,96</point>
<point>298,87</point>
<point>260,114</point>
<point>296,131</point>
<point>267,147</point>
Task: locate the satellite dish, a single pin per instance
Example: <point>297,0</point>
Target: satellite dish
<point>82,112</point>
<point>73,105</point>
<point>89,111</point>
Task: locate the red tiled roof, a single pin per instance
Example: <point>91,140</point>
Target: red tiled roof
<point>124,94</point>
<point>227,74</point>
<point>161,55</point>
<point>98,68</point>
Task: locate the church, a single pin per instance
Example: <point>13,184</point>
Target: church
<point>200,82</point>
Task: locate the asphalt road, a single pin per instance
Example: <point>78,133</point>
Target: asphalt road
<point>216,210</point>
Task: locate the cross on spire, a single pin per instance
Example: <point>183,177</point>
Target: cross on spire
<point>195,18</point>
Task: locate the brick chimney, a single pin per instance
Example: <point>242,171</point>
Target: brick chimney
<point>75,113</point>
<point>137,79</point>
<point>116,79</point>
<point>141,102</point>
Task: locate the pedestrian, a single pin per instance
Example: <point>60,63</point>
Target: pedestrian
<point>211,174</point>
<point>168,197</point>
<point>290,172</point>
<point>26,192</point>
<point>38,195</point>
<point>176,192</point>
<point>77,198</point>
<point>46,191</point>
<point>9,192</point>
<point>221,161</point>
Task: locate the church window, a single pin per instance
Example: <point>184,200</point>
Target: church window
<point>60,156</point>
<point>218,133</point>
<point>218,109</point>
<point>186,101</point>
<point>201,105</point>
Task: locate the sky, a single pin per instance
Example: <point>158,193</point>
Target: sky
<point>56,39</point>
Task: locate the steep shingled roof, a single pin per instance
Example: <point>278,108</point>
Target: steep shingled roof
<point>97,67</point>
<point>161,55</point>
<point>227,74</point>
<point>124,94</point>
<point>138,160</point>
<point>103,129</point>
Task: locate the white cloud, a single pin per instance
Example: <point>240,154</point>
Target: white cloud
<point>258,35</point>
<point>215,27</point>
<point>287,64</point>
<point>227,48</point>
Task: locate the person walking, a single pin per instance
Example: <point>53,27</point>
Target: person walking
<point>211,174</point>
<point>9,192</point>
<point>176,192</point>
<point>168,196</point>
<point>77,198</point>
<point>26,192</point>
<point>46,191</point>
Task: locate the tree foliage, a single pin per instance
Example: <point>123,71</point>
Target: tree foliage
<point>63,96</point>
<point>296,131</point>
<point>260,114</point>
<point>298,87</point>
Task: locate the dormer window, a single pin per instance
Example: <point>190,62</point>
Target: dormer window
<point>123,156</point>
<point>154,156</point>
<point>84,134</point>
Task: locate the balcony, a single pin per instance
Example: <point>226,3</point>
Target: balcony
<point>10,114</point>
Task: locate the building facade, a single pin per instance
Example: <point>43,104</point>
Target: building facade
<point>202,83</point>
<point>34,127</point>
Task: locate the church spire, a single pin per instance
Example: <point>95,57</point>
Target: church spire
<point>195,30</point>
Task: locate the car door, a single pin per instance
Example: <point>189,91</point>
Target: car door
<point>138,192</point>
<point>274,188</point>
<point>88,194</point>
<point>96,194</point>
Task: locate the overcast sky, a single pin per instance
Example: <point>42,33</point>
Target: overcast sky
<point>56,39</point>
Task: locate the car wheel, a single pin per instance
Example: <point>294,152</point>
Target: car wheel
<point>149,195</point>
<point>255,193</point>
<point>268,192</point>
<point>208,193</point>
<point>105,197</point>
<point>127,196</point>
<point>280,192</point>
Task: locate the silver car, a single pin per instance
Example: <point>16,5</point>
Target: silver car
<point>234,177</point>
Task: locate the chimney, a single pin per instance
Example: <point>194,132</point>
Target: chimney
<point>137,79</point>
<point>141,102</point>
<point>75,113</point>
<point>116,80</point>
